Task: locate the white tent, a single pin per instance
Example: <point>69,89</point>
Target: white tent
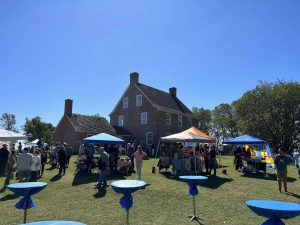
<point>33,143</point>
<point>6,135</point>
<point>186,136</point>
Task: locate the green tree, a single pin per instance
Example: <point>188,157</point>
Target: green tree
<point>204,118</point>
<point>8,122</point>
<point>224,122</point>
<point>35,128</point>
<point>271,111</point>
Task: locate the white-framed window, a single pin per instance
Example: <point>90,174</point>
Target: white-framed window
<point>144,118</point>
<point>121,121</point>
<point>190,122</point>
<point>139,100</point>
<point>168,118</point>
<point>125,103</point>
<point>180,121</point>
<point>149,138</point>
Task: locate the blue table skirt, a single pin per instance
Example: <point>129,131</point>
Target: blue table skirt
<point>193,181</point>
<point>26,189</point>
<point>55,222</point>
<point>127,187</point>
<point>274,209</point>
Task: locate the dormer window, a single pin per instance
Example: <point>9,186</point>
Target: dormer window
<point>168,118</point>
<point>139,100</point>
<point>125,103</point>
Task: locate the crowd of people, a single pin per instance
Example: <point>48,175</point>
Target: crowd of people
<point>109,156</point>
<point>195,158</point>
<point>29,163</point>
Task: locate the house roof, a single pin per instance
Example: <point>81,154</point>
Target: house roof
<point>164,101</point>
<point>91,124</point>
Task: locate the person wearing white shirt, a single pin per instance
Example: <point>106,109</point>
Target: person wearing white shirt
<point>296,157</point>
<point>35,166</point>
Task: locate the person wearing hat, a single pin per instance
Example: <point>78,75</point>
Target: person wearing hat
<point>139,156</point>
<point>4,153</point>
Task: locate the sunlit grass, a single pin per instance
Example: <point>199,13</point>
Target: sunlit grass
<point>165,201</point>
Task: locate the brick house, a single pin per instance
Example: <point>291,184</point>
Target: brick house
<point>73,127</point>
<point>147,113</point>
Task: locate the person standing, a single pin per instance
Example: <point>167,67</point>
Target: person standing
<point>35,166</point>
<point>4,153</point>
<point>139,156</point>
<point>212,160</point>
<point>102,165</point>
<point>130,154</point>
<point>43,161</point>
<point>24,163</point>
<point>9,169</point>
<point>206,159</point>
<point>281,161</point>
<point>296,157</point>
<point>53,154</point>
<point>20,147</point>
<point>62,157</point>
<point>89,157</point>
<point>69,154</point>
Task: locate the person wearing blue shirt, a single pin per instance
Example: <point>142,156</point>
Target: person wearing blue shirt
<point>281,161</point>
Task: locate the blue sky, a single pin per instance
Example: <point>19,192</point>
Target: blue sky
<point>212,51</point>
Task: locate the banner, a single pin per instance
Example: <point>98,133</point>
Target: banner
<point>262,152</point>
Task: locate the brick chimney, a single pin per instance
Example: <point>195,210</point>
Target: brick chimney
<point>173,91</point>
<point>134,78</point>
<point>68,107</point>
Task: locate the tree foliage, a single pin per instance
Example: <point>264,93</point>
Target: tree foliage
<point>224,122</point>
<point>204,118</point>
<point>8,122</point>
<point>271,111</point>
<point>36,129</point>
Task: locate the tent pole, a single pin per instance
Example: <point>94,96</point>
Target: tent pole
<point>195,161</point>
<point>156,155</point>
<point>157,149</point>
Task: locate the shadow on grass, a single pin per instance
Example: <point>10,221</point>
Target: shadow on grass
<point>212,182</point>
<point>101,192</point>
<point>270,177</point>
<point>57,177</point>
<point>9,197</point>
<point>51,168</point>
<point>86,178</point>
<point>292,194</point>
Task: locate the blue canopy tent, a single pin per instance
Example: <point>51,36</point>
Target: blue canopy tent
<point>259,148</point>
<point>243,140</point>
<point>102,138</point>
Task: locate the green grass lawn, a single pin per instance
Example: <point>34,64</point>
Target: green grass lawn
<point>164,201</point>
